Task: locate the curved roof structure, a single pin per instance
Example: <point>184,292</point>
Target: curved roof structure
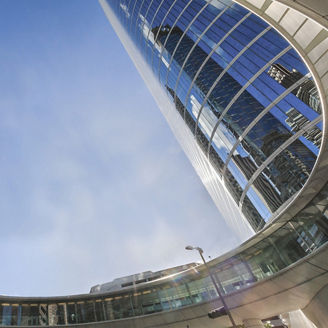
<point>244,86</point>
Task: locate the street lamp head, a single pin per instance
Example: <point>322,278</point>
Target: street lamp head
<point>191,248</point>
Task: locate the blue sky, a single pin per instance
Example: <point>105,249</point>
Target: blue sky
<point>93,184</point>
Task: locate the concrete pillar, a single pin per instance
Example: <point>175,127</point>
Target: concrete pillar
<point>253,323</point>
<point>297,319</point>
<point>316,310</point>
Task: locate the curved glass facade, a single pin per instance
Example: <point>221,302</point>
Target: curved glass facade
<point>242,90</point>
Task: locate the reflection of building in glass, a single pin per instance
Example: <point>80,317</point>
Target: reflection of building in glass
<point>283,76</point>
<point>307,91</point>
<point>297,121</point>
<point>286,173</point>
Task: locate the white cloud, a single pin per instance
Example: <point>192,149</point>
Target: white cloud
<point>94,186</point>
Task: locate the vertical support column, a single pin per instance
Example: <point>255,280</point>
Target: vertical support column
<point>253,323</point>
<point>110,312</point>
<point>52,315</point>
<point>65,313</point>
<point>104,310</point>
<point>94,310</point>
<point>316,310</point>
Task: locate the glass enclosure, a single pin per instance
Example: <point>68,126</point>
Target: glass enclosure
<point>241,89</point>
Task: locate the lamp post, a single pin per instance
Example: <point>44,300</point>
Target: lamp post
<point>217,288</point>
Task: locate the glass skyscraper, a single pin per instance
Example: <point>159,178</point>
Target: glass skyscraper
<point>241,89</point>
